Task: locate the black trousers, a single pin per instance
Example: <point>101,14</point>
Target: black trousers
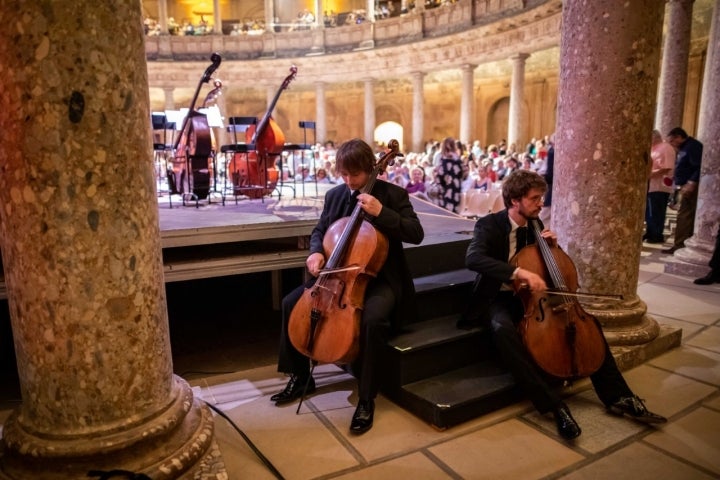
<point>655,210</point>
<point>506,311</point>
<point>374,335</point>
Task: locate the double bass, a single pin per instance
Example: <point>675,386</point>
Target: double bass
<point>254,173</point>
<point>324,325</point>
<point>193,147</point>
<point>561,337</point>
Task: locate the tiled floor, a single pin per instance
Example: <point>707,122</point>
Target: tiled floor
<point>513,443</point>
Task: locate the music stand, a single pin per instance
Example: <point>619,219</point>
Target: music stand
<point>214,120</point>
<point>160,127</point>
<point>305,125</point>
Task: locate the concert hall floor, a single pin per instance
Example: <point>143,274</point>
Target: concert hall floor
<point>513,443</point>
<point>224,340</point>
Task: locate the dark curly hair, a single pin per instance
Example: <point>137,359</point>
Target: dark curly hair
<point>519,183</point>
<point>354,156</point>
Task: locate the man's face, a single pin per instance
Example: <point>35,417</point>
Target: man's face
<point>675,140</point>
<point>355,180</point>
<point>531,204</point>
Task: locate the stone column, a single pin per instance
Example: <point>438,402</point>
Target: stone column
<point>418,113</point>
<point>467,102</point>
<point>673,74</point>
<point>517,85</point>
<point>169,98</point>
<point>162,13</point>
<point>693,259</point>
<point>369,112</point>
<point>605,116</point>
<point>320,112</point>
<point>217,18</point>
<point>83,264</point>
<point>269,15</point>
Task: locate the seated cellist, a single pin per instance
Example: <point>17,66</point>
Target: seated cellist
<point>496,238</point>
<point>389,297</point>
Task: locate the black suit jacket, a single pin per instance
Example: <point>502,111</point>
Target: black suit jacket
<point>487,255</point>
<point>398,221</point>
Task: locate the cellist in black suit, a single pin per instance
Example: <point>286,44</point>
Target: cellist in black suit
<point>389,297</point>
<point>496,238</point>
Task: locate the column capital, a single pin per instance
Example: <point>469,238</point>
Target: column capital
<point>418,75</point>
<point>520,56</point>
<point>468,67</point>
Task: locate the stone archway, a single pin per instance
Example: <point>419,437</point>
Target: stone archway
<point>387,131</point>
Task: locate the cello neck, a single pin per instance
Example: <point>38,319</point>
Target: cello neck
<point>552,266</point>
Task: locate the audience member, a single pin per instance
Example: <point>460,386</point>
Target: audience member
<point>449,175</point>
<point>662,165</point>
<point>686,177</point>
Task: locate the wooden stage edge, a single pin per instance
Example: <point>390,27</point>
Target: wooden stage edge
<point>260,235</point>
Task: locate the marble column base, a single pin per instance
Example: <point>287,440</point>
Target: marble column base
<point>174,443</point>
<point>626,322</point>
<point>628,357</point>
<point>691,261</point>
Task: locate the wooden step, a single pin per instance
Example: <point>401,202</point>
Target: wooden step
<point>458,395</point>
<point>432,347</point>
<point>442,294</point>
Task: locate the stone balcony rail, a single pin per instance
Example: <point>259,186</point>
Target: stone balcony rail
<point>466,32</point>
<point>444,20</point>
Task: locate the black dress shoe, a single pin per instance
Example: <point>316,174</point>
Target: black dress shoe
<point>566,424</point>
<point>708,279</point>
<point>293,390</point>
<point>362,419</point>
<point>635,409</point>
<point>670,250</point>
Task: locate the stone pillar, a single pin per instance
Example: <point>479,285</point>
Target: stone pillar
<point>320,112</point>
<point>270,15</point>
<point>83,264</point>
<point>162,13</point>
<point>673,74</point>
<point>169,98</point>
<point>606,106</point>
<point>467,102</point>
<point>418,113</point>
<point>517,85</point>
<point>693,259</point>
<point>318,14</point>
<point>217,18</point>
<point>371,10</point>
<point>369,111</point>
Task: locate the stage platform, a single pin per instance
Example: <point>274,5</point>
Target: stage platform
<point>243,235</point>
<point>267,234</point>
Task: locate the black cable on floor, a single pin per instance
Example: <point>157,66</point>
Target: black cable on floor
<point>260,455</point>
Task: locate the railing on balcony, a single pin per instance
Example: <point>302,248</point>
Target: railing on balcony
<point>280,40</point>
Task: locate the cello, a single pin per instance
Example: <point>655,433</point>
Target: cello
<point>324,325</point>
<point>561,337</point>
<point>194,145</point>
<point>253,173</point>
